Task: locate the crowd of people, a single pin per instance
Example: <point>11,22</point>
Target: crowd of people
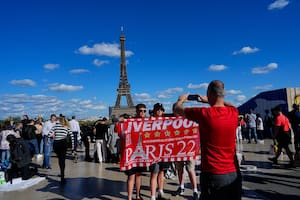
<point>221,126</point>
<point>22,141</point>
<point>279,127</point>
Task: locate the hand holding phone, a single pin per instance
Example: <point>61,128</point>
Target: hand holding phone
<point>193,97</point>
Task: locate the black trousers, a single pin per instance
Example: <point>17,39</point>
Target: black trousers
<point>86,143</point>
<point>60,148</point>
<point>221,186</point>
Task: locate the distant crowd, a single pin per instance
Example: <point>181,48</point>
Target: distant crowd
<point>221,127</point>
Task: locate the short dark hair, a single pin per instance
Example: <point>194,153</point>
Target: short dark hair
<point>140,105</point>
<point>277,108</point>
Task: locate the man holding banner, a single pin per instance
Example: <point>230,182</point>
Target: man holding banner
<point>145,141</point>
<point>220,175</point>
<point>134,173</point>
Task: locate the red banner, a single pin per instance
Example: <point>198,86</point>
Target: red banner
<point>163,139</point>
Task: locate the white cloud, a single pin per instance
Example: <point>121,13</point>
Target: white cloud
<point>278,4</point>
<point>144,98</point>
<point>172,90</point>
<point>2,108</point>
<point>51,66</point>
<point>240,98</point>
<point>99,107</point>
<point>233,92</point>
<point>42,105</point>
<point>264,70</point>
<point>217,67</point>
<point>78,71</point>
<point>24,82</point>
<point>142,95</point>
<point>197,86</point>
<point>64,87</point>
<point>103,49</point>
<point>168,92</point>
<point>263,87</point>
<point>86,102</point>
<point>246,50</point>
<point>164,96</point>
<point>99,63</point>
<point>33,105</point>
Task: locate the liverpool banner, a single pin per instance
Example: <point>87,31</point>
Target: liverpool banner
<point>162,139</point>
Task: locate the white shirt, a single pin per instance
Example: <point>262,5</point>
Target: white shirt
<point>74,126</point>
<point>259,123</point>
<point>47,127</point>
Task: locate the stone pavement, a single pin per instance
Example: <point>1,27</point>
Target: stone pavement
<point>88,180</point>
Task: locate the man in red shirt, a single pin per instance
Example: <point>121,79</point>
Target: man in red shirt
<point>282,135</point>
<point>220,175</point>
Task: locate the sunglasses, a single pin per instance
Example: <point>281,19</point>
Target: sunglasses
<point>142,111</point>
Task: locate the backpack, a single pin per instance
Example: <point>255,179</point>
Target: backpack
<point>20,153</point>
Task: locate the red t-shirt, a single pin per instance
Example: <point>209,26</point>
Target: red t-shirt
<point>282,121</point>
<point>217,126</point>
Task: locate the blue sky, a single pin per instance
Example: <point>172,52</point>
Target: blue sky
<point>63,56</point>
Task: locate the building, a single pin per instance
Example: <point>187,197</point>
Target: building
<point>284,97</point>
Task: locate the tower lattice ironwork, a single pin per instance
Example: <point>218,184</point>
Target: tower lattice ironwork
<point>124,86</point>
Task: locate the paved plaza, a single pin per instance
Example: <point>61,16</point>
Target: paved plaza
<point>89,180</point>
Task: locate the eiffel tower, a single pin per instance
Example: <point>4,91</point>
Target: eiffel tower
<point>139,152</point>
<point>124,87</point>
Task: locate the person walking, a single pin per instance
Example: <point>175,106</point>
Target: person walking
<point>220,176</point>
<point>60,132</point>
<point>75,128</point>
<point>282,134</point>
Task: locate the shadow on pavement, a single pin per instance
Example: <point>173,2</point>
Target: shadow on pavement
<point>90,187</point>
<point>277,196</point>
<point>259,164</point>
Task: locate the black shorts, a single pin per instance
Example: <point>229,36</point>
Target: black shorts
<point>284,139</point>
<point>135,170</point>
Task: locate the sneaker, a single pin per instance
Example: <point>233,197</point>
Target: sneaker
<point>161,197</point>
<point>274,160</point>
<point>179,191</point>
<point>195,196</point>
<point>75,158</point>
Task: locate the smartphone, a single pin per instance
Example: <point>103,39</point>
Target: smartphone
<point>193,97</point>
